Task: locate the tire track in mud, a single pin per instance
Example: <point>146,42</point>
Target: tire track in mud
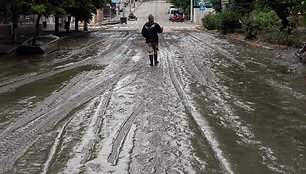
<point>270,158</point>
<point>119,60</point>
<point>16,82</point>
<point>22,134</point>
<point>76,164</point>
<point>122,134</point>
<point>242,130</point>
<point>202,123</point>
<point>108,72</point>
<point>119,157</point>
<point>58,92</point>
<point>87,144</point>
<point>229,55</point>
<point>161,143</point>
<point>54,148</point>
<point>217,46</point>
<point>29,78</point>
<point>206,76</point>
<point>16,139</point>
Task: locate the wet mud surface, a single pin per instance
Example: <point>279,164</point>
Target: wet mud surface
<point>212,105</point>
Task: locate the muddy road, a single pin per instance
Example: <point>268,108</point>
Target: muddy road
<point>212,105</point>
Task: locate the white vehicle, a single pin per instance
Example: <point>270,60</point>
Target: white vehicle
<point>171,8</point>
<point>173,12</point>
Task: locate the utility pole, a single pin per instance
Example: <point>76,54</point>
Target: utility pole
<point>191,10</point>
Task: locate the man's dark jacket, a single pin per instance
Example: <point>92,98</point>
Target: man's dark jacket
<point>150,30</point>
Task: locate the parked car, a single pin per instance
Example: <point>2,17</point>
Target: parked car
<point>171,8</point>
<point>176,15</point>
<point>177,18</point>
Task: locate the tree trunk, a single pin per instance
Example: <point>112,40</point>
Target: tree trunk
<point>14,34</point>
<point>56,29</point>
<point>37,24</point>
<point>285,23</point>
<point>67,24</point>
<point>85,26</point>
<point>76,24</point>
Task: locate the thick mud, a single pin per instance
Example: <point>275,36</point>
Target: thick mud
<point>95,106</point>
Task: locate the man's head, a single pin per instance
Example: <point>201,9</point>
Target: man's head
<point>151,18</point>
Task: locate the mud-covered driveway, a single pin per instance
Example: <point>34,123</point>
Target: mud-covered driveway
<point>212,105</point>
<point>96,106</point>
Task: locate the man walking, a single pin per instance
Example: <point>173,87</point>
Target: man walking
<point>149,31</point>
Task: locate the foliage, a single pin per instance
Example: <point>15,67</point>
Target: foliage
<point>228,21</point>
<point>183,4</point>
<point>82,10</point>
<point>266,24</point>
<point>225,22</point>
<point>265,20</point>
<point>276,37</point>
<point>283,9</point>
<point>210,21</point>
<point>242,6</point>
<point>259,22</point>
<point>10,10</point>
<point>47,7</point>
<point>248,27</point>
<point>216,5</point>
<point>272,20</point>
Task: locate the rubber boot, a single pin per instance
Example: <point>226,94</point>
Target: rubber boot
<point>155,59</point>
<point>151,60</point>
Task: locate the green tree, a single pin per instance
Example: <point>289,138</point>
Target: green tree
<point>299,9</point>
<point>83,10</point>
<point>242,6</point>
<point>11,10</point>
<point>42,8</point>
<point>283,8</point>
<point>217,5</point>
<point>183,4</point>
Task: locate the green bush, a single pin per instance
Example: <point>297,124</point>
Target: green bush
<point>268,24</point>
<point>275,37</point>
<point>266,20</point>
<point>265,24</point>
<point>209,21</point>
<point>228,21</point>
<point>248,27</point>
<point>284,38</point>
<point>225,22</point>
<point>263,21</point>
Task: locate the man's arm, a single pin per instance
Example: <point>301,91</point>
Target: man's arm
<point>143,32</point>
<point>159,29</point>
